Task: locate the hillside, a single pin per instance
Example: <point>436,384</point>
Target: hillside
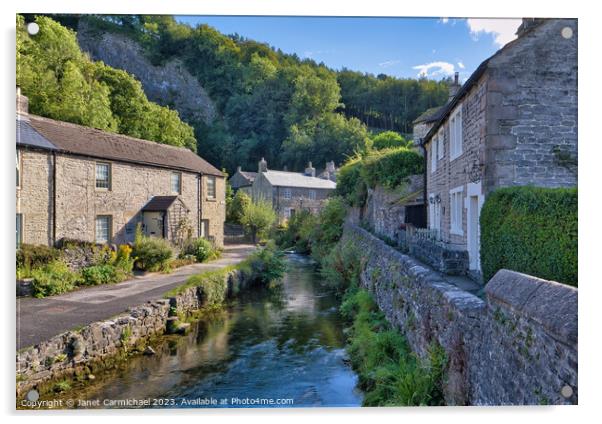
<point>247,100</point>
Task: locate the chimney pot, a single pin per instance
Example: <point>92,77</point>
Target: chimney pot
<point>263,165</point>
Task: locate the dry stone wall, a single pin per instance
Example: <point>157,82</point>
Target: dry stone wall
<point>98,344</point>
<point>517,346</point>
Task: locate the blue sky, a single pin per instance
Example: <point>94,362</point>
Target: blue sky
<point>402,47</point>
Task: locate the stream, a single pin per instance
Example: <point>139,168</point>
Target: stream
<point>269,348</point>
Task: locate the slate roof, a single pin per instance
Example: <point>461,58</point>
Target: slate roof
<point>248,175</point>
<point>28,136</point>
<point>159,203</point>
<point>297,179</point>
<point>80,140</point>
<point>429,115</point>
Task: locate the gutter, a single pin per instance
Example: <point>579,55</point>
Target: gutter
<point>424,178</point>
<point>53,198</point>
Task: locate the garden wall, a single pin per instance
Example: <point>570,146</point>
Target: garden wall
<point>98,345</point>
<point>518,346</point>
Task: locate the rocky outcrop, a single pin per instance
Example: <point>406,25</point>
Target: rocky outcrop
<point>168,85</point>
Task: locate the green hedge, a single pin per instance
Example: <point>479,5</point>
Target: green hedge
<point>389,168</point>
<point>531,230</point>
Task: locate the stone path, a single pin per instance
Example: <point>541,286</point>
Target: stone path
<point>40,319</point>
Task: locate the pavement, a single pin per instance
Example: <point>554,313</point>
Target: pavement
<point>41,319</point>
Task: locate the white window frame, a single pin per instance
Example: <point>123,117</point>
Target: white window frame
<point>19,176</point>
<point>312,194</point>
<point>455,133</point>
<point>287,193</point>
<point>456,211</point>
<point>440,141</point>
<point>109,176</point>
<point>211,194</point>
<point>171,182</point>
<point>109,219</point>
<point>433,155</point>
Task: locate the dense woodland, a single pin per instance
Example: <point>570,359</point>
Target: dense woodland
<point>270,104</point>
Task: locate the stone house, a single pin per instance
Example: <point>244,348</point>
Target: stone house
<point>81,183</point>
<point>290,192</point>
<point>242,180</point>
<point>513,122</point>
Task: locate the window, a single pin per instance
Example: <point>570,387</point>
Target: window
<point>103,229</point>
<point>455,133</point>
<point>103,176</point>
<point>289,213</point>
<point>19,229</point>
<point>287,193</point>
<point>312,194</point>
<point>211,187</point>
<point>440,144</point>
<point>176,182</point>
<point>18,168</point>
<point>456,199</point>
<point>433,155</point>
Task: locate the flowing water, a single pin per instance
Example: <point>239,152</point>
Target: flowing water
<point>269,348</point>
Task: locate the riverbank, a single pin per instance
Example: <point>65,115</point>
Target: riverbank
<point>279,347</point>
<point>78,354</point>
<point>77,309</point>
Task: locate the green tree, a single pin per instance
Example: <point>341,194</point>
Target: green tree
<point>258,217</point>
<point>239,204</point>
<point>389,139</point>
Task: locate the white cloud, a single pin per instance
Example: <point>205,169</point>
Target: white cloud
<point>388,63</point>
<point>435,69</point>
<point>461,65</point>
<point>503,30</point>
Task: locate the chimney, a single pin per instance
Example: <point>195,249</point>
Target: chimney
<point>238,169</point>
<point>22,103</point>
<point>330,167</point>
<point>310,171</point>
<point>454,87</point>
<point>527,25</point>
<point>263,166</point>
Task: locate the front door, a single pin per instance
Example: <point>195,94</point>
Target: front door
<point>153,224</point>
<point>474,233</point>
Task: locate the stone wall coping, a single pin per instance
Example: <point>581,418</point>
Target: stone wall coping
<point>548,303</point>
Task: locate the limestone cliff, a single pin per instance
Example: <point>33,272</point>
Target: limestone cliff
<point>168,85</point>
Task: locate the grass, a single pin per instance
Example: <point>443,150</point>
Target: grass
<point>389,373</point>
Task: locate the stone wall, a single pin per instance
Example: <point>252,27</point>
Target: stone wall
<point>97,345</point>
<point>34,196</point>
<point>214,209</point>
<point>532,110</point>
<point>518,346</point>
<point>78,201</point>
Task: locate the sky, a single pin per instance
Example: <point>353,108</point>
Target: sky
<point>401,47</point>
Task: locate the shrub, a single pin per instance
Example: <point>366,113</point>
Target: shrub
<point>350,185</point>
<point>531,230</point>
<point>266,265</point>
<point>342,266</point>
<point>296,233</point>
<point>257,219</point>
<point>123,259</point>
<point>237,206</point>
<point>329,228</point>
<point>388,140</point>
<point>30,257</point>
<point>202,249</point>
<point>152,254</point>
<point>183,261</point>
<point>102,274</point>
<point>53,278</point>
<point>390,168</point>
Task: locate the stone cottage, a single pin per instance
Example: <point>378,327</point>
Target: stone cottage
<point>290,192</point>
<point>81,183</point>
<point>242,180</point>
<point>514,122</point>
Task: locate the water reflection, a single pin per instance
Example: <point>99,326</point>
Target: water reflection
<point>286,344</point>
